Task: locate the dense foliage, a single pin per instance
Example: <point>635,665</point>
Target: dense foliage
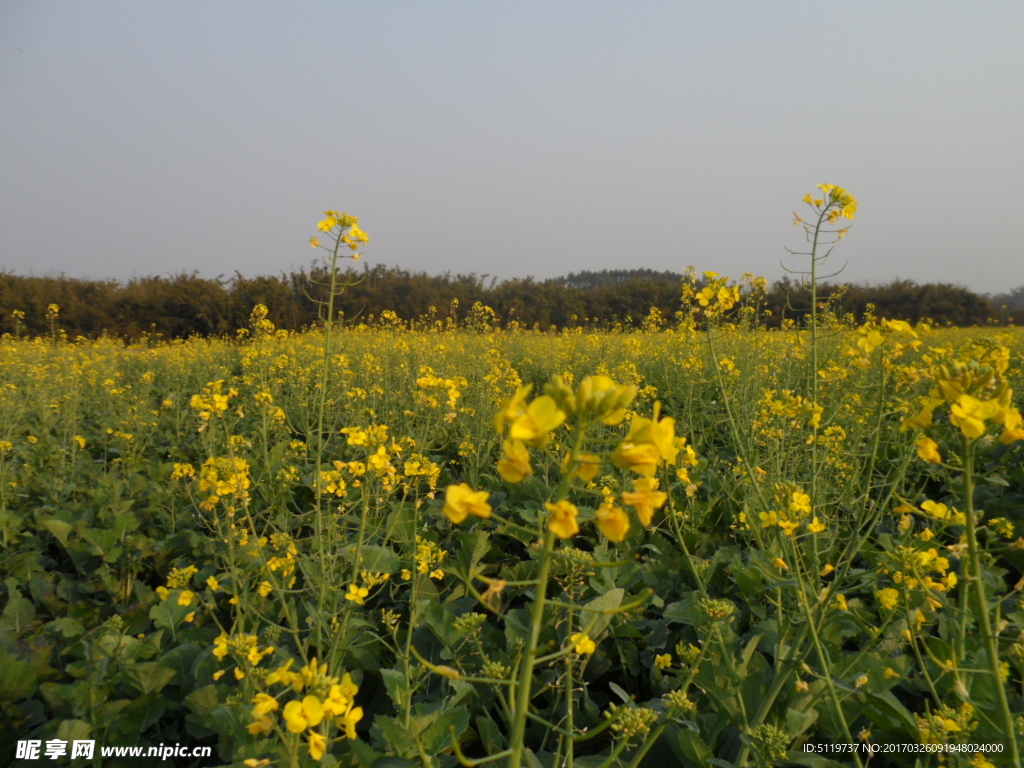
<point>187,304</point>
<point>138,610</point>
<point>390,544</point>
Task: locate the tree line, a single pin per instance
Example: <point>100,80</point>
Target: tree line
<point>187,304</point>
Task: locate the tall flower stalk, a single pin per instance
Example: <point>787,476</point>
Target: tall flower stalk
<point>343,229</point>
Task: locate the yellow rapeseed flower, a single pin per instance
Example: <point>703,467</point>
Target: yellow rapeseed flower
<point>357,594</point>
<point>562,518</point>
<point>888,598</point>
<point>317,745</point>
<point>264,704</point>
<point>645,498</point>
<point>583,643</point>
<point>928,450</point>
<point>514,465</point>
<point>300,715</point>
<point>970,414</point>
<point>612,522</point>
<point>542,416</point>
<point>461,501</point>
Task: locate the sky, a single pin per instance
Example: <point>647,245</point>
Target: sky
<point>510,138</point>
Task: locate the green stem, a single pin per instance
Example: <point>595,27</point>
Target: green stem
<point>987,637</point>
<point>525,679</point>
<point>826,669</point>
<point>317,480</point>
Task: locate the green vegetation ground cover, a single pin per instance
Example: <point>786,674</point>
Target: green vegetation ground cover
<point>381,547</point>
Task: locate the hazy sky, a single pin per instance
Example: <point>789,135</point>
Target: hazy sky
<point>512,139</point>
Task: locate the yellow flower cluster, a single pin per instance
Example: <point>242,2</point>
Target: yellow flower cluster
<point>835,202</point>
<point>786,405</point>
<point>796,511</point>
<point>912,567</point>
<point>428,381</point>
<point>938,726</point>
<point>716,297</point>
<point>347,226</point>
<point>213,401</point>
<point>872,335</point>
<point>975,388</point>
<point>649,444</point>
<point>428,559</point>
<point>332,700</point>
<point>224,477</point>
<point>239,646</point>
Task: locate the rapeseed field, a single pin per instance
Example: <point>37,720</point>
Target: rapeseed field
<point>384,544</point>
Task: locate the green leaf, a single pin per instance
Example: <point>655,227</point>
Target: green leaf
<point>886,711</point>
<point>58,528</point>
<point>593,620</point>
<point>692,746</point>
<point>377,558</point>
<point>797,722</point>
<point>71,730</point>
<point>203,700</point>
<point>168,614</point>
<point>181,660</point>
<point>364,753</point>
<point>618,691</point>
<point>440,620</point>
<point>18,613</point>
<point>490,735</point>
<point>17,680</point>
<point>397,737</point>
<point>437,737</point>
<point>148,676</point>
<point>396,685</point>
<point>104,543</point>
<point>66,627</point>
<point>680,612</point>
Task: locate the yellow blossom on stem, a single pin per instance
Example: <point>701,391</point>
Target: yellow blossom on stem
<point>583,643</point>
<point>349,720</point>
<point>357,594</point>
<point>645,498</point>
<point>970,414</point>
<point>542,416</point>
<point>264,704</point>
<point>461,501</point>
<point>317,745</point>
<point>928,450</point>
<point>514,465</point>
<point>300,715</point>
<point>888,598</point>
<point>562,518</point>
<point>612,522</point>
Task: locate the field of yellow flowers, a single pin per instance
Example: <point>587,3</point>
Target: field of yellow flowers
<point>384,546</point>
